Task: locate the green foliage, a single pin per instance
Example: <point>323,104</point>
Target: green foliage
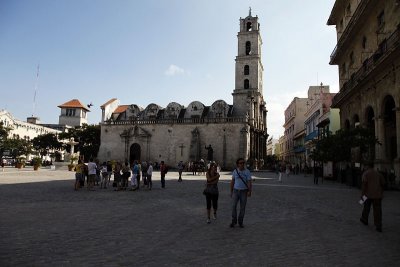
<point>88,137</point>
<point>37,161</point>
<point>45,142</point>
<point>338,147</point>
<point>17,147</point>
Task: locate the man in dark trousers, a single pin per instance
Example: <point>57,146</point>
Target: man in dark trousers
<point>163,172</point>
<point>372,192</point>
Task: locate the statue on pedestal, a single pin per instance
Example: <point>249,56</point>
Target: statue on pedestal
<point>210,152</point>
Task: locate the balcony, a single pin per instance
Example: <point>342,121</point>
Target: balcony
<point>311,136</point>
<point>348,29</point>
<point>385,49</point>
<point>299,149</point>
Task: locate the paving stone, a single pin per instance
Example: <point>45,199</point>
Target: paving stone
<point>44,222</point>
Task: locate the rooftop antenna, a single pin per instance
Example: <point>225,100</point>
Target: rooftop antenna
<point>36,88</point>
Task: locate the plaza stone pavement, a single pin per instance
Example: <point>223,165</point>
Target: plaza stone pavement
<point>44,222</point>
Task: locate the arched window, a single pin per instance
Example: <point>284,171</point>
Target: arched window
<point>248,48</point>
<point>246,70</point>
<point>246,84</point>
<point>248,26</point>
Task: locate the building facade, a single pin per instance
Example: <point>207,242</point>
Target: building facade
<point>220,132</point>
<point>24,130</point>
<point>368,56</point>
<point>271,146</point>
<point>318,109</point>
<point>73,113</point>
<point>294,123</point>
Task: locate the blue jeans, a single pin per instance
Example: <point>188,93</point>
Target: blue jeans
<point>238,196</point>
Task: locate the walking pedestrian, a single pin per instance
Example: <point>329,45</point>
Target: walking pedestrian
<point>117,176</point>
<point>280,174</point>
<point>92,169</point>
<point>79,168</point>
<point>180,170</point>
<point>241,188</point>
<point>163,172</point>
<point>125,175</point>
<point>109,171</point>
<point>211,191</point>
<point>149,175</point>
<point>135,176</point>
<point>371,193</point>
<point>315,174</point>
<point>145,166</point>
<point>104,176</point>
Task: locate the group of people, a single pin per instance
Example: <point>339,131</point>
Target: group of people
<point>126,176</point>
<point>100,174</point>
<point>240,189</point>
<point>240,186</point>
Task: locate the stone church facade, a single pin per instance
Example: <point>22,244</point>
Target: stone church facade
<point>176,132</point>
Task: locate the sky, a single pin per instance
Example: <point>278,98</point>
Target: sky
<point>156,51</point>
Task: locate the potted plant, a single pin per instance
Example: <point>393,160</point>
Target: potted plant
<point>37,162</point>
<point>72,165</point>
<point>20,162</point>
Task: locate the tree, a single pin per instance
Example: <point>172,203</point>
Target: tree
<point>3,138</point>
<point>45,142</point>
<point>88,137</point>
<point>338,147</point>
<point>15,146</point>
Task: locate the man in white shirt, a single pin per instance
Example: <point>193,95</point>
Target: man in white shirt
<point>92,174</point>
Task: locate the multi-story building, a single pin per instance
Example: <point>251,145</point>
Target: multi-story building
<point>368,56</point>
<point>24,129</point>
<point>294,123</point>
<point>73,113</point>
<point>176,132</point>
<point>318,109</point>
<point>299,148</point>
<point>271,146</point>
<point>280,148</point>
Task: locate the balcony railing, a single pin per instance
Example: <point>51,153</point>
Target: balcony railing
<point>349,27</point>
<point>311,136</point>
<point>386,47</point>
<point>179,121</point>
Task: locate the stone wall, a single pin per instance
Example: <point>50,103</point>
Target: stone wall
<point>173,142</point>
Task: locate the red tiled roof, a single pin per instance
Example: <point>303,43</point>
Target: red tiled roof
<point>74,103</point>
<point>121,108</point>
<point>108,102</point>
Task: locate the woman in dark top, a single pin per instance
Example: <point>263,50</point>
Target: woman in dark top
<point>211,190</point>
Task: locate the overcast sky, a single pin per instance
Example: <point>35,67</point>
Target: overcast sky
<point>156,51</point>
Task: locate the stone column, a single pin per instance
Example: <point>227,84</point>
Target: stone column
<point>397,160</point>
<point>380,134</point>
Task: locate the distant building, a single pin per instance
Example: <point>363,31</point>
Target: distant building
<point>368,56</point>
<point>280,148</point>
<point>73,113</point>
<point>294,123</point>
<point>271,146</point>
<point>318,113</point>
<point>178,132</point>
<point>24,130</point>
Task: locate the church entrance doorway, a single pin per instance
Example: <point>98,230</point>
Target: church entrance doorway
<point>135,152</point>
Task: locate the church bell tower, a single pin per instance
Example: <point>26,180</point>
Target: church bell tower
<point>248,93</point>
<point>248,100</point>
